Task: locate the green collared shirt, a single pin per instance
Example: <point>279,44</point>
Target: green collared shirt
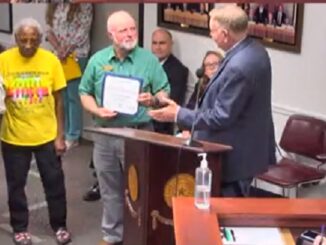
<point>140,63</point>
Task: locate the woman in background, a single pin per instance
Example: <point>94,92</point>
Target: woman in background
<point>69,33</point>
<point>210,65</point>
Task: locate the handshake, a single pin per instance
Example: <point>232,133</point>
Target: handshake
<point>158,102</point>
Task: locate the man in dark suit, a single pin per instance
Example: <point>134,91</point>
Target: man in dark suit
<point>235,108</point>
<point>279,16</point>
<point>177,73</point>
<point>261,14</point>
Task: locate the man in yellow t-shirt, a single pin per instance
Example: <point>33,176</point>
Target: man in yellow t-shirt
<point>33,124</point>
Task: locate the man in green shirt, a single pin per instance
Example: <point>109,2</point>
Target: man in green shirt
<point>124,58</point>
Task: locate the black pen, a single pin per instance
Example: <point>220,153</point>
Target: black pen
<point>233,236</point>
<point>224,232</point>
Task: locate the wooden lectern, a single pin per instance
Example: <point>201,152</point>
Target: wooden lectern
<point>158,167</point>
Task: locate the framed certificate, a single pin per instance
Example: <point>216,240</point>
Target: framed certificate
<point>120,93</point>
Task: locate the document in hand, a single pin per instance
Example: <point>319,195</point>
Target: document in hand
<point>120,93</point>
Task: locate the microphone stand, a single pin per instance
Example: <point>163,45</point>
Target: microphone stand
<point>191,141</point>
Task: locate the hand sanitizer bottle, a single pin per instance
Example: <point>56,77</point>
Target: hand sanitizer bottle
<point>203,184</point>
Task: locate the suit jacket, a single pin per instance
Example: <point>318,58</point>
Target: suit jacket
<point>261,17</point>
<point>278,21</point>
<point>235,109</point>
<point>178,78</point>
<point>193,98</point>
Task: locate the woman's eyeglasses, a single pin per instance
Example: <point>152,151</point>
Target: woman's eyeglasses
<point>211,65</point>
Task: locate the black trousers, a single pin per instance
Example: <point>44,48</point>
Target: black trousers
<point>164,128</point>
<point>17,160</point>
<point>240,188</point>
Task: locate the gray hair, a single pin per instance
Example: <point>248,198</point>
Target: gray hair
<point>231,17</point>
<point>28,22</point>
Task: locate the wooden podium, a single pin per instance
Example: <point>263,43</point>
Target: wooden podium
<point>158,167</point>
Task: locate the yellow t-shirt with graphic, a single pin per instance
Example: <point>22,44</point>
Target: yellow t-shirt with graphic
<point>30,118</point>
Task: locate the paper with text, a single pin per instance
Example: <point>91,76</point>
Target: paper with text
<point>120,93</point>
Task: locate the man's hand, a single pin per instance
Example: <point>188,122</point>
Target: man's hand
<point>185,134</point>
<point>89,103</point>
<point>60,146</point>
<point>167,113</point>
<point>146,99</point>
<point>105,113</point>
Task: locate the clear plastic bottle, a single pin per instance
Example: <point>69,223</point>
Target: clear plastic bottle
<point>203,184</point>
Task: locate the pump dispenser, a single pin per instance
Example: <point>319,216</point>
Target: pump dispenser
<point>203,184</point>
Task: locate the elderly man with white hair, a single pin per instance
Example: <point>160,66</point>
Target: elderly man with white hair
<point>126,59</point>
<point>33,124</point>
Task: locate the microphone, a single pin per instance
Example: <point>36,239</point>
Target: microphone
<point>200,72</point>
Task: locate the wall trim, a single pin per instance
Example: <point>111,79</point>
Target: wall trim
<point>288,110</point>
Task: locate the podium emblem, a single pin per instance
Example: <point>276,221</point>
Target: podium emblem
<point>133,182</point>
<point>179,185</point>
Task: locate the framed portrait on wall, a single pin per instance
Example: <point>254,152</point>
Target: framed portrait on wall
<point>5,18</point>
<point>277,25</point>
<point>186,17</point>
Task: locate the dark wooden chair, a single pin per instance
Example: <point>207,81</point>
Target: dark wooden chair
<point>303,136</point>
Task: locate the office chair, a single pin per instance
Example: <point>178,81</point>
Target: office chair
<point>303,136</point>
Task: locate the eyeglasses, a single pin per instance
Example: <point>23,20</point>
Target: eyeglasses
<point>211,65</point>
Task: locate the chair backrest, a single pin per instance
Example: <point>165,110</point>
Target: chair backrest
<point>304,135</point>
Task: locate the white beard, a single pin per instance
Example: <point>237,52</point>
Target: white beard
<point>127,45</point>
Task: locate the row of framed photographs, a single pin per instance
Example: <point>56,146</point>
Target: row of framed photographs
<point>277,25</point>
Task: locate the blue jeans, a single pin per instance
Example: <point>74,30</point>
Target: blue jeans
<point>17,160</point>
<point>72,107</point>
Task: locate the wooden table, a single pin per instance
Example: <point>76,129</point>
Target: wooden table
<point>193,226</point>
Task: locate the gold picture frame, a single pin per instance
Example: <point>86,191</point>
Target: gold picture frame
<point>276,25</point>
<point>185,17</point>
<point>6,18</point>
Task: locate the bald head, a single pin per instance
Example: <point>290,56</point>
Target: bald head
<point>162,43</point>
<point>164,32</point>
<point>121,27</point>
<point>117,19</point>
